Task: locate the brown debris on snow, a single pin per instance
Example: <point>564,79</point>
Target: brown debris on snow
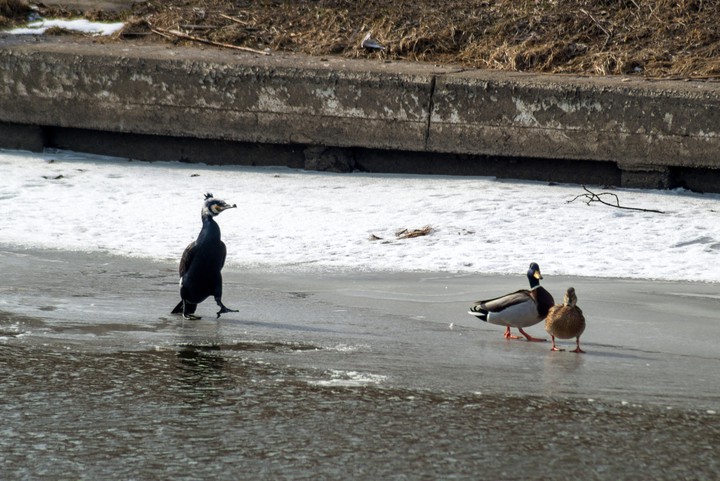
<point>412,233</point>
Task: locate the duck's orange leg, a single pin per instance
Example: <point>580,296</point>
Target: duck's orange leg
<point>529,337</point>
<point>577,349</point>
<point>554,347</point>
<point>509,335</point>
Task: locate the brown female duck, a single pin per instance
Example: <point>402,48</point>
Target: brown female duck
<point>566,321</point>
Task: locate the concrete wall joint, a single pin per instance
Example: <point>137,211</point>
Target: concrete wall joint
<point>431,104</point>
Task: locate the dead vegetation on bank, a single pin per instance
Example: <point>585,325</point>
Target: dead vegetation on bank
<point>660,38</point>
<point>10,10</point>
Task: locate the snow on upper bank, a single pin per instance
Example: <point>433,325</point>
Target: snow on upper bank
<point>308,220</point>
<point>38,27</point>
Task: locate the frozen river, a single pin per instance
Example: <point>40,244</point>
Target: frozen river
<point>341,375</point>
<point>352,355</point>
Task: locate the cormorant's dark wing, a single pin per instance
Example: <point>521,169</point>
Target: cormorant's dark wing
<point>222,253</point>
<point>187,258</point>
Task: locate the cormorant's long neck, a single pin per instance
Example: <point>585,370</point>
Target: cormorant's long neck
<point>210,230</point>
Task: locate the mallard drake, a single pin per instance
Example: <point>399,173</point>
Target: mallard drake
<point>566,321</point>
<point>523,308</point>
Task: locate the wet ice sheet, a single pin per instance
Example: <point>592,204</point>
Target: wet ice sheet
<point>646,341</point>
<point>308,220</point>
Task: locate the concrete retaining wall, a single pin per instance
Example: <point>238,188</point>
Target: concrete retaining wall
<point>650,131</point>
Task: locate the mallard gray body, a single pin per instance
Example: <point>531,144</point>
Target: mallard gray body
<point>518,309</point>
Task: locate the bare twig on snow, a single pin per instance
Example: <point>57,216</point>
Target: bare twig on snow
<point>593,197</point>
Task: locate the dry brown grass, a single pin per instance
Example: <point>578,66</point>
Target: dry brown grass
<point>12,10</point>
<point>653,38</point>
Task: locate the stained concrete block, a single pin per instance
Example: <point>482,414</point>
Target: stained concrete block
<point>645,177</point>
<point>213,94</point>
<point>183,149</point>
<point>22,137</point>
<point>329,159</point>
<point>498,122</point>
<point>496,113</point>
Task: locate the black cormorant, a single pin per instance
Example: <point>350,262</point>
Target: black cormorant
<point>201,263</point>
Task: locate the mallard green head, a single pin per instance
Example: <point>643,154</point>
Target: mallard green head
<point>534,274</point>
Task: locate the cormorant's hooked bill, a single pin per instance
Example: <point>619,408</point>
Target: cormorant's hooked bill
<point>213,206</point>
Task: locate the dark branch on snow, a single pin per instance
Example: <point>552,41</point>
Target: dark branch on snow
<point>591,196</point>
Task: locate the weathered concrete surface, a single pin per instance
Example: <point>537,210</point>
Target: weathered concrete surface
<point>651,130</point>
<point>23,137</point>
<point>214,95</point>
<point>636,123</point>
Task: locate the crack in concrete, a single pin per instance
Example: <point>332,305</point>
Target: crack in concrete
<point>431,106</point>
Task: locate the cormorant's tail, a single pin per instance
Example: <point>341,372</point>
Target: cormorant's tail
<point>479,312</point>
<point>178,309</point>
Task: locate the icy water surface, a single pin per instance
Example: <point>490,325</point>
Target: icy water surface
<point>214,412</point>
<point>375,376</point>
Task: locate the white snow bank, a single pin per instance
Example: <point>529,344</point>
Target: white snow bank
<point>39,27</point>
<point>289,218</point>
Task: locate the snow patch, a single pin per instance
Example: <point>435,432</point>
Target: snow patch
<point>39,27</point>
<point>300,220</point>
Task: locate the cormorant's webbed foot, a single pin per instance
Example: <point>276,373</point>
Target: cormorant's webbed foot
<point>224,309</point>
<point>191,317</point>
